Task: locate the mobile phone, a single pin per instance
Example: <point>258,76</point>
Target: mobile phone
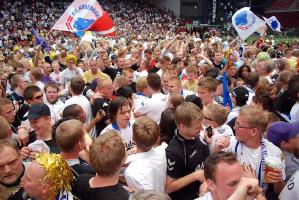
<point>209,131</point>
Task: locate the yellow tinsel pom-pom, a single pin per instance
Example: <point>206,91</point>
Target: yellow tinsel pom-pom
<point>57,172</point>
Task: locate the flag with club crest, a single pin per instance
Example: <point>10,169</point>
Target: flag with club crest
<point>86,15</point>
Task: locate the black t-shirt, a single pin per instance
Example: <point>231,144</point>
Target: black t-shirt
<point>183,158</point>
<point>100,104</point>
<point>219,66</point>
<point>111,72</point>
<point>83,191</point>
<point>154,70</point>
<point>51,143</point>
<point>82,168</point>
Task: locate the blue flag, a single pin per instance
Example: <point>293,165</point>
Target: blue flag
<point>226,96</point>
<point>40,41</point>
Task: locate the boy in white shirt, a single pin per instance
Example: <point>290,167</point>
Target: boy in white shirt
<point>215,117</point>
<point>147,168</point>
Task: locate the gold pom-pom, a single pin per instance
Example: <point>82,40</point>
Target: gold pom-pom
<point>57,173</point>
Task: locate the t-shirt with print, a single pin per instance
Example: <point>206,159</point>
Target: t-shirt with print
<point>183,158</point>
<point>67,75</point>
<point>125,133</point>
<point>291,189</point>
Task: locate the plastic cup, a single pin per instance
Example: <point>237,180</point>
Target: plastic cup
<point>272,163</point>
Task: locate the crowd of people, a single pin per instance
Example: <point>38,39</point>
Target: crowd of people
<point>150,114</point>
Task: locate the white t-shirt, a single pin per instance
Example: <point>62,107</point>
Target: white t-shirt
<point>207,196</point>
<point>222,131</point>
<point>85,104</point>
<point>151,107</point>
<point>291,189</point>
<point>185,93</point>
<point>137,75</point>
<point>233,114</point>
<point>147,170</point>
<point>252,157</point>
<point>295,112</point>
<point>58,106</point>
<point>125,133</point>
<point>67,75</point>
<point>41,86</point>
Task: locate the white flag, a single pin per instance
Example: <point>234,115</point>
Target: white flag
<point>246,22</point>
<point>85,15</point>
<point>273,23</point>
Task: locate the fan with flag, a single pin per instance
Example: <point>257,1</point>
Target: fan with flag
<point>86,15</point>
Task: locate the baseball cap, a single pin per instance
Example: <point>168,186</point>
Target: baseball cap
<point>113,57</point>
<point>240,93</point>
<point>281,131</point>
<point>38,110</point>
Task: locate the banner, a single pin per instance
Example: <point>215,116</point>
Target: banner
<point>246,22</point>
<point>273,23</point>
<point>84,15</point>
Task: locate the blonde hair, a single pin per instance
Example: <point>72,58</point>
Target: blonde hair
<point>217,113</point>
<point>207,82</point>
<point>141,84</point>
<point>256,117</point>
<point>68,134</point>
<point>145,133</point>
<point>186,113</point>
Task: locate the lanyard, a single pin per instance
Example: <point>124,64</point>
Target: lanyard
<point>261,169</point>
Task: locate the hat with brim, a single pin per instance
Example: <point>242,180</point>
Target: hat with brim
<point>38,110</point>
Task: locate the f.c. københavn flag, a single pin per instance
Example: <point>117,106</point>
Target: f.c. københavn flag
<point>85,15</point>
<point>246,22</point>
<point>273,23</point>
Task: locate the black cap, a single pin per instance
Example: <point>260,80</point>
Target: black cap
<point>38,110</point>
<point>240,93</point>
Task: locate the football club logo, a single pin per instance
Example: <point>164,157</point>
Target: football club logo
<point>245,20</point>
